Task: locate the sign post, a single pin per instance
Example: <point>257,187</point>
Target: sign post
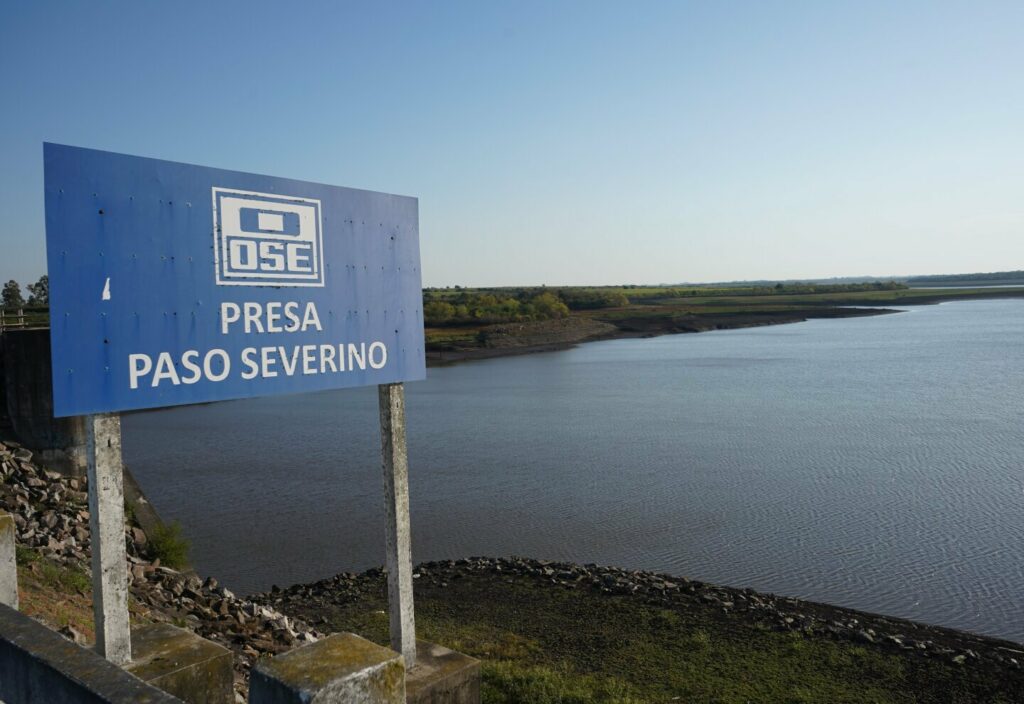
<point>106,526</point>
<point>398,537</point>
<point>175,284</point>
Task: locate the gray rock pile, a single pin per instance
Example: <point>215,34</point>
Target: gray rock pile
<point>51,513</point>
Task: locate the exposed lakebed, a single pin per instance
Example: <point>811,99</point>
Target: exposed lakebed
<point>875,463</point>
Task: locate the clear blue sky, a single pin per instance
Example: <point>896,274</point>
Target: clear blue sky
<point>561,143</point>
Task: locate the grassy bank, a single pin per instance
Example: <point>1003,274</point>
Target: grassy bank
<point>567,638</point>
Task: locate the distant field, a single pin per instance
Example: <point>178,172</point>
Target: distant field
<point>965,283</point>
<point>912,296</point>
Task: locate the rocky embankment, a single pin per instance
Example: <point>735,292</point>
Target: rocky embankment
<point>51,513</point>
<point>780,613</point>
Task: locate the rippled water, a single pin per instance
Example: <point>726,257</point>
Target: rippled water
<point>876,463</point>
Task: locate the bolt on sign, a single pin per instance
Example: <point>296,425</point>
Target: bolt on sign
<point>173,284</point>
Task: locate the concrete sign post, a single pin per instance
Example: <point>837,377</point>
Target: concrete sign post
<point>106,526</point>
<point>397,533</point>
<point>8,561</point>
<point>175,284</point>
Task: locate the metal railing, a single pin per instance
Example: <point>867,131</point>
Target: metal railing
<point>24,318</point>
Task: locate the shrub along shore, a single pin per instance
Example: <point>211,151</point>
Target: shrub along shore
<point>546,631</point>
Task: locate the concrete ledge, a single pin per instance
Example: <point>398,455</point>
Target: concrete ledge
<point>340,668</point>
<point>40,665</point>
<point>179,662</point>
<point>442,676</point>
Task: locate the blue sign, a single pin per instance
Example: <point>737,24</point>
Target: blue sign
<point>174,284</point>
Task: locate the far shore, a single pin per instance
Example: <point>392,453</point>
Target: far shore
<point>571,335</point>
<point>660,316</point>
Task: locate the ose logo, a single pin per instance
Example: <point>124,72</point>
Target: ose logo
<point>262,239</point>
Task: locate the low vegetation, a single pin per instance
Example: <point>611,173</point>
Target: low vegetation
<point>60,596</point>
<point>168,544</point>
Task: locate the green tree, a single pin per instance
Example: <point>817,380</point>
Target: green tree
<point>39,292</point>
<point>11,296</point>
<point>437,312</point>
<point>548,305</point>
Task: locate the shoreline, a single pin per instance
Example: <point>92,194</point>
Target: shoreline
<point>522,613</point>
<point>641,327</point>
<point>784,612</point>
<point>639,321</point>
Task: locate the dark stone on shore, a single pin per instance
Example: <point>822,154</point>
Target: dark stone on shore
<point>810,619</point>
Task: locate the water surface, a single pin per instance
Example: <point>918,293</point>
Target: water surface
<point>876,463</point>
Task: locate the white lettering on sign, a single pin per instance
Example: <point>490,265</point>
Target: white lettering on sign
<point>378,355</point>
<point>265,362</point>
<point>255,317</point>
<point>139,365</point>
<point>188,360</point>
<point>216,366</point>
<point>208,365</point>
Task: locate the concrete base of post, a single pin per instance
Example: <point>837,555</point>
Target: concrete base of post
<point>442,676</point>
<point>179,662</point>
<point>340,668</point>
<point>8,562</point>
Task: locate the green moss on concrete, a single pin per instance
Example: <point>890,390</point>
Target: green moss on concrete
<point>181,663</point>
<point>334,657</point>
<point>442,675</point>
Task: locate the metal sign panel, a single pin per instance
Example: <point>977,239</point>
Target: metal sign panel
<point>172,283</point>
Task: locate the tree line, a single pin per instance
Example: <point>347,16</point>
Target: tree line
<point>461,306</point>
<point>469,307</point>
<point>11,297</point>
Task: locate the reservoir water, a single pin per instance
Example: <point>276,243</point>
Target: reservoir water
<point>875,463</point>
